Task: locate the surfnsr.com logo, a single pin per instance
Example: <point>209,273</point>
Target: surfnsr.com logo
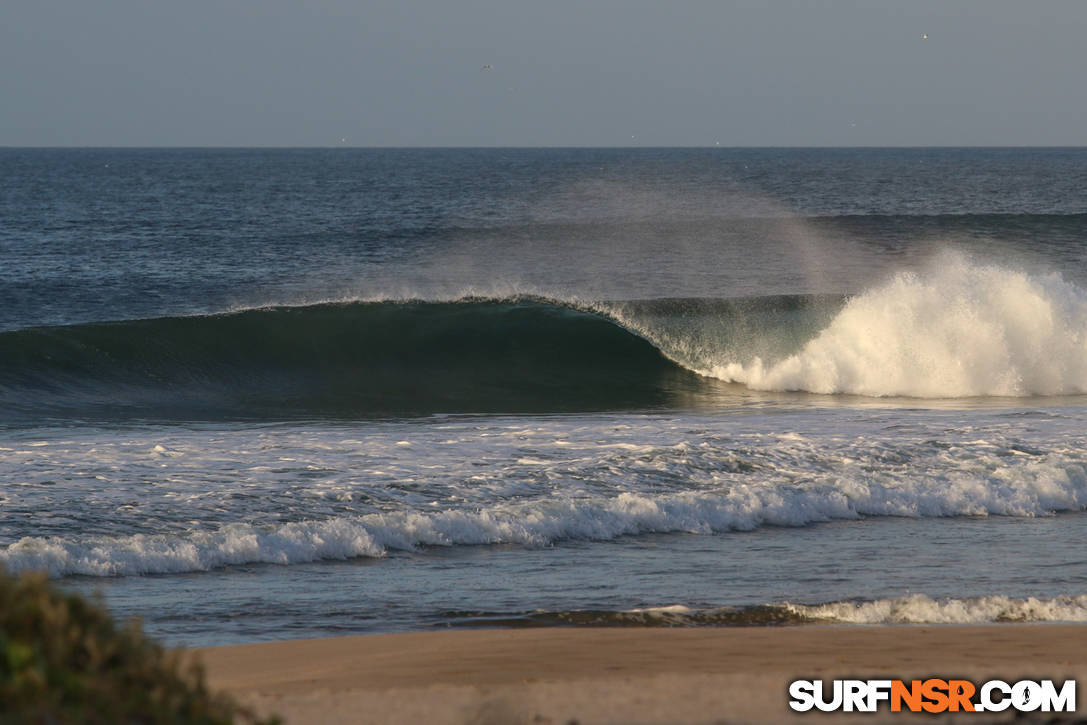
<point>932,695</point>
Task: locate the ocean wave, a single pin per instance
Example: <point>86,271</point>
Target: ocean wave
<point>954,329</point>
<point>735,506</point>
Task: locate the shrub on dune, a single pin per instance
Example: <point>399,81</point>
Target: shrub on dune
<point>64,660</point>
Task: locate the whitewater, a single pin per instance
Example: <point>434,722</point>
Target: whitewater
<point>956,328</point>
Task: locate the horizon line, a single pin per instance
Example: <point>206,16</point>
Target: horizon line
<point>539,147</point>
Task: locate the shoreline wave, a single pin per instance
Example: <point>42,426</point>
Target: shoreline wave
<point>909,609</point>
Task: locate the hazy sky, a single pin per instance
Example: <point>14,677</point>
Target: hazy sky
<point>564,72</point>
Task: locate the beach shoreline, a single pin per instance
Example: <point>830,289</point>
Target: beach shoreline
<point>624,675</point>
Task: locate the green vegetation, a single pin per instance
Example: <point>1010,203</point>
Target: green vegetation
<point>64,660</point>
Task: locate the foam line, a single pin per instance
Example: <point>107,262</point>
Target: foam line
<point>737,507</point>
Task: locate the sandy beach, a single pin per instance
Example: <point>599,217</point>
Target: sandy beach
<point>623,675</point>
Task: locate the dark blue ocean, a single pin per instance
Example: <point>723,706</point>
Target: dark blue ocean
<point>250,394</point>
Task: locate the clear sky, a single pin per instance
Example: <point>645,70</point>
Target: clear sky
<point>562,72</point>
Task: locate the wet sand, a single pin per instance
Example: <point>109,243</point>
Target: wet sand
<point>624,675</point>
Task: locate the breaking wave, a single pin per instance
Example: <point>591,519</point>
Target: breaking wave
<point>953,329</point>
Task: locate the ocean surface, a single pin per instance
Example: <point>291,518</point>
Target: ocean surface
<point>260,394</point>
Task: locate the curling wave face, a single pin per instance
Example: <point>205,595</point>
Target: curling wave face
<point>342,360</point>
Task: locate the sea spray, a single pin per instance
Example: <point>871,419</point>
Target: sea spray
<point>957,328</point>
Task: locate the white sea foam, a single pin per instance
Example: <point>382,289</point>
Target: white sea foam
<point>910,609</point>
<point>734,506</point>
<point>920,609</point>
<point>957,328</point>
